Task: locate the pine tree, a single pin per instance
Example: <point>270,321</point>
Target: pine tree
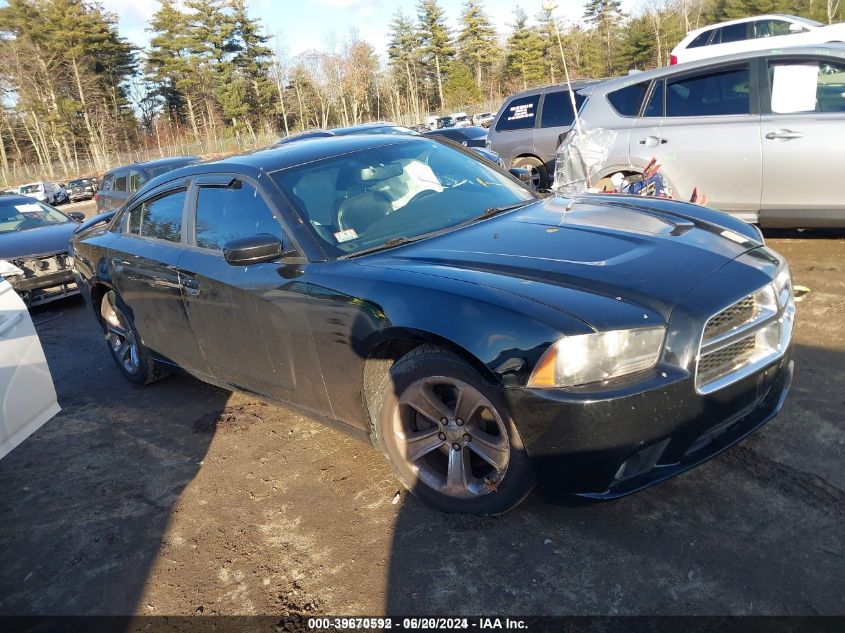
<point>404,55</point>
<point>460,88</point>
<point>523,56</point>
<point>251,64</point>
<point>605,17</point>
<point>436,42</point>
<point>478,46</point>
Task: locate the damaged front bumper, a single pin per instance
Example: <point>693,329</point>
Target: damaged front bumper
<point>609,446</point>
<point>45,278</point>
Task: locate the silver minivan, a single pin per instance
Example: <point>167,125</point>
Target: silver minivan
<point>527,129</point>
<point>761,134</point>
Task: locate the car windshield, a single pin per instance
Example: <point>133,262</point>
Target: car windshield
<point>84,182</point>
<point>33,188</point>
<point>363,199</point>
<point>16,215</point>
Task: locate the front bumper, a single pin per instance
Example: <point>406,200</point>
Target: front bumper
<point>608,445</point>
<point>37,286</point>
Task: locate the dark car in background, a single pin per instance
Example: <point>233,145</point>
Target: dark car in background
<point>473,136</point>
<point>82,189</point>
<point>34,241</point>
<point>478,334</point>
<point>120,183</point>
<point>376,127</point>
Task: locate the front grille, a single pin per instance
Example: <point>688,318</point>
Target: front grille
<point>731,317</point>
<point>724,360</point>
<point>744,337</point>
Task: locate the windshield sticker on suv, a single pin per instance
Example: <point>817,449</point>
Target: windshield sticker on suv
<point>345,236</point>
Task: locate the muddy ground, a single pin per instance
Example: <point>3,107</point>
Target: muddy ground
<point>181,498</point>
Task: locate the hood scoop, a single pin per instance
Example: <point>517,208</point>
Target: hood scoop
<point>630,219</point>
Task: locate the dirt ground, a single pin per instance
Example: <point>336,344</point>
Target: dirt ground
<point>181,498</point>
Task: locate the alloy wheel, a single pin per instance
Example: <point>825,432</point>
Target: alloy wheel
<point>120,336</point>
<point>452,437</point>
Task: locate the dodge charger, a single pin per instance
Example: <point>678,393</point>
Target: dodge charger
<point>482,337</point>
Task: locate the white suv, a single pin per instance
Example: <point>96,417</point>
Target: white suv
<point>754,34</point>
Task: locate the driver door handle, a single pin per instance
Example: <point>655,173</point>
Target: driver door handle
<point>783,135</point>
<point>652,141</point>
<point>190,285</point>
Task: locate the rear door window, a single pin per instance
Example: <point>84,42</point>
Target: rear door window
<point>771,28</point>
<point>519,114</point>
<point>710,94</point>
<point>120,181</point>
<point>159,217</point>
<point>626,101</point>
<point>557,109</point>
<point>227,213</point>
<point>731,33</point>
<point>136,180</point>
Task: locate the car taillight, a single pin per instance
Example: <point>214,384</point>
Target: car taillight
<point>673,59</point>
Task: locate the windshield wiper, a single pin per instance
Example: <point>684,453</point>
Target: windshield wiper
<point>489,213</point>
<point>389,243</point>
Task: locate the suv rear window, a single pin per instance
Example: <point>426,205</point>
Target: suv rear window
<point>519,114</point>
<point>557,109</point>
<point>626,101</point>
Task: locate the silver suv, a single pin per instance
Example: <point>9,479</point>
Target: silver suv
<point>528,127</point>
<point>762,134</point>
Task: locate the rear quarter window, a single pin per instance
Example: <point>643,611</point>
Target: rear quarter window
<point>519,114</point>
<point>700,39</point>
<point>626,101</point>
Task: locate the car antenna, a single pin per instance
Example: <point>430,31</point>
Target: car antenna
<point>550,6</point>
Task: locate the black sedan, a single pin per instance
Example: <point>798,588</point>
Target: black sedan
<point>81,189</point>
<point>34,241</point>
<point>480,336</point>
<point>472,136</point>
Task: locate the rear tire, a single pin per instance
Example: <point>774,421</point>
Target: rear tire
<point>537,168</point>
<point>448,435</point>
<point>128,352</point>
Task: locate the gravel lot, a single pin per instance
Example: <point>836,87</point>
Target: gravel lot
<point>181,498</point>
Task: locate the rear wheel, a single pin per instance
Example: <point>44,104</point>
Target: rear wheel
<point>537,168</point>
<point>448,435</point>
<point>128,352</point>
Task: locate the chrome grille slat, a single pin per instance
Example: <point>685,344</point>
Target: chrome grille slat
<point>734,341</point>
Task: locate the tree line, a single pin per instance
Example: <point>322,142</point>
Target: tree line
<point>77,95</point>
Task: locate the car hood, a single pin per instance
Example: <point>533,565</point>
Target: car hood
<point>41,241</point>
<point>621,261</point>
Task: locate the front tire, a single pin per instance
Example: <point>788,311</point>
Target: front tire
<point>128,352</point>
<point>448,435</point>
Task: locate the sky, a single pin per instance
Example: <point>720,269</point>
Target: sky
<point>311,24</point>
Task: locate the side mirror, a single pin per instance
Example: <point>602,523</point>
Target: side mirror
<point>253,249</point>
<point>76,215</point>
<point>795,28</point>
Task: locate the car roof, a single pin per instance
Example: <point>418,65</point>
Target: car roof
<point>340,131</point>
<point>753,18</point>
<point>608,85</point>
<point>274,158</point>
<point>577,84</point>
<point>159,162</point>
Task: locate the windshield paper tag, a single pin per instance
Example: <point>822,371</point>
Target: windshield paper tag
<point>345,236</point>
<point>24,208</point>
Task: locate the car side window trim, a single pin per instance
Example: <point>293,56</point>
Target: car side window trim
<point>754,98</point>
<point>225,180</point>
<point>164,189</point>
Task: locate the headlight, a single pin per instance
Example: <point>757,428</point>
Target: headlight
<point>586,358</point>
<point>783,285</point>
<point>8,269</point>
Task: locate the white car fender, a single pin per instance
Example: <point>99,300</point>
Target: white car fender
<point>27,395</point>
